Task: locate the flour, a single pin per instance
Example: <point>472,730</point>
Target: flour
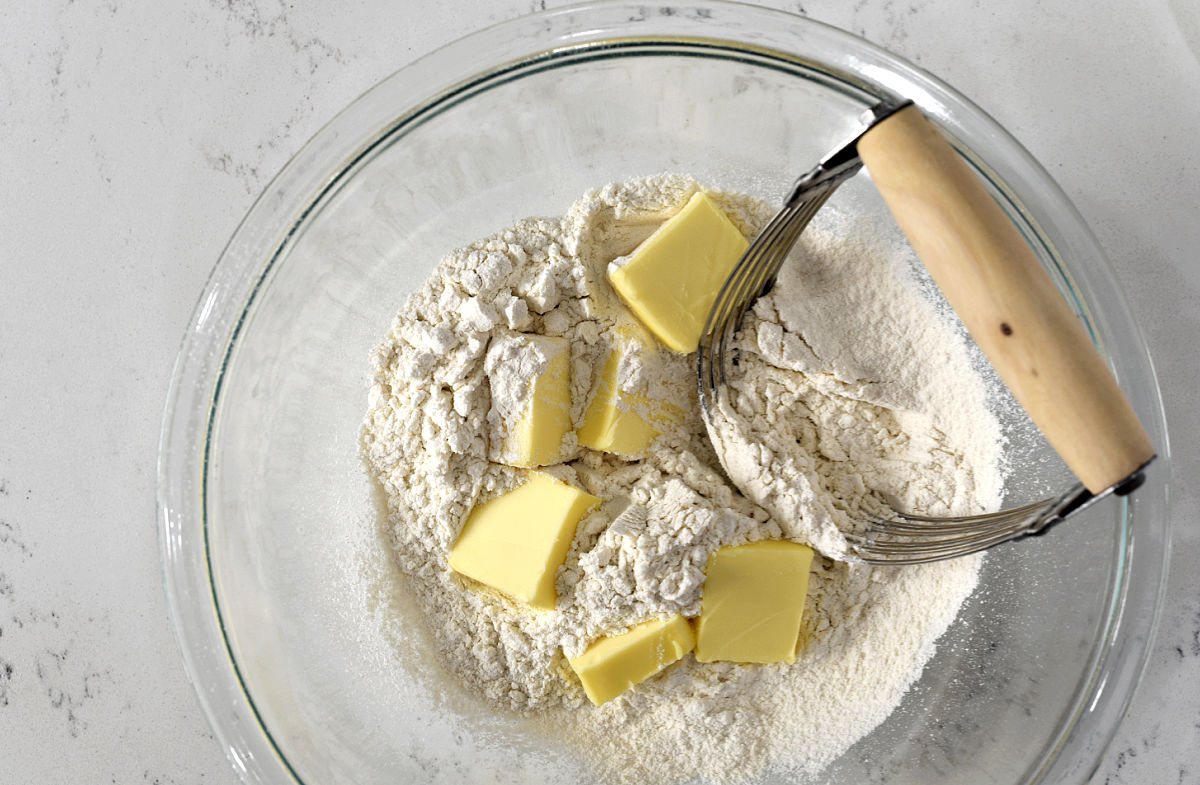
<point>847,359</point>
<point>843,401</point>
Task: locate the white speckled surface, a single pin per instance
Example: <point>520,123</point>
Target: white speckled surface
<point>135,133</point>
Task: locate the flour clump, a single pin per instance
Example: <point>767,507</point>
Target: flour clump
<point>852,392</point>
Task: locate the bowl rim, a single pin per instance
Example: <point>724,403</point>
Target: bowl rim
<point>316,170</point>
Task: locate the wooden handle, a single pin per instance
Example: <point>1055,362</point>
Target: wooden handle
<point>1006,299</point>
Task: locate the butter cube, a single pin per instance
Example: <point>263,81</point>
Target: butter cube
<point>612,423</point>
<point>621,420</point>
<point>753,601</point>
<point>530,380</point>
<point>612,665</point>
<point>516,542</point>
<point>671,280</point>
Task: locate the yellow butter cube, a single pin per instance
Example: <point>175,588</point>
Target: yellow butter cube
<point>671,280</point>
<point>614,664</point>
<point>530,380</point>
<point>515,543</point>
<point>753,601</point>
<point>624,421</point>
<point>612,422</point>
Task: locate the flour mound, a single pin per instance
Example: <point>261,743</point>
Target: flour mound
<point>851,392</point>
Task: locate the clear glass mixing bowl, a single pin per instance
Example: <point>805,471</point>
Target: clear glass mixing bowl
<point>278,586</point>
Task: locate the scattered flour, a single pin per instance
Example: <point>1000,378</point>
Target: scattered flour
<point>851,392</point>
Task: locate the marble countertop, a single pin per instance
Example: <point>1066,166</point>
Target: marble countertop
<point>134,134</point>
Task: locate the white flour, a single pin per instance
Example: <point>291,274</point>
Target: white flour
<point>854,386</point>
<point>846,358</point>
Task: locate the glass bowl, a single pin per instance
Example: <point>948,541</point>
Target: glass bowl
<point>282,596</point>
